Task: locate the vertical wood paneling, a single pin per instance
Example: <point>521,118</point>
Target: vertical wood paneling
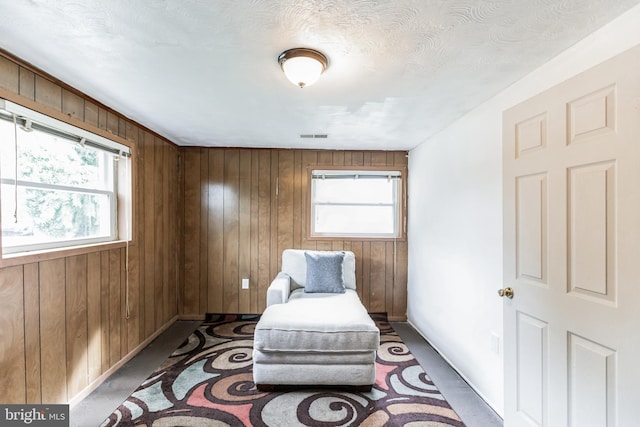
<point>356,248</point>
<point>91,113</point>
<point>156,227</point>
<point>254,231</point>
<point>122,127</point>
<point>173,226</point>
<point>231,230</point>
<point>12,340</point>
<point>180,220</point>
<point>138,231</point>
<point>76,321</point>
<point>9,75</point>
<point>357,158</point>
<point>124,327</point>
<point>285,200</point>
<point>114,307</point>
<point>204,232</point>
<point>104,311</point>
<point>366,274</point>
<point>258,206</point>
<point>191,231</point>
<point>274,261</point>
<point>325,158</point>
<point>378,158</point>
<point>165,232</point>
<point>48,93</point>
<point>215,247</point>
<point>377,277</point>
<point>94,303</point>
<point>399,291</point>
<point>390,262</point>
<point>112,124</point>
<point>27,84</point>
<point>338,158</point>
<point>133,277</point>
<point>66,317</point>
<point>53,331</point>
<point>32,332</point>
<point>149,235</point>
<point>264,226</point>
<point>244,230</point>
<point>72,105</point>
<point>102,118</point>
<point>324,245</point>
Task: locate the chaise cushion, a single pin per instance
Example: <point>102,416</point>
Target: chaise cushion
<point>317,322</point>
<point>324,272</point>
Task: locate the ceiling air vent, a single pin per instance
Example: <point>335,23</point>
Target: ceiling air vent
<point>313,136</point>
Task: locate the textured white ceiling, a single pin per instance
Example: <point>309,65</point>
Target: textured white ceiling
<point>203,72</point>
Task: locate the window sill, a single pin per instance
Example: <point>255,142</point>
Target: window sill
<point>323,237</point>
<point>49,254</point>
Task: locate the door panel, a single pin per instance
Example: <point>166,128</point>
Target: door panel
<point>592,115</point>
<point>531,233</point>
<point>592,213</point>
<point>592,383</point>
<point>571,181</point>
<point>532,342</point>
<point>531,135</point>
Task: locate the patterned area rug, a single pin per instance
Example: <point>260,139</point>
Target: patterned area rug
<point>208,382</point>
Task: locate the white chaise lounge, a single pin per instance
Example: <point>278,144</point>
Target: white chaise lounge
<point>315,330</point>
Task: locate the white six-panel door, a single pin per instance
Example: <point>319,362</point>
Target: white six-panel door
<point>572,251</point>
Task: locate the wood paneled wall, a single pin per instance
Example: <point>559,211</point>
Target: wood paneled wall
<point>243,207</point>
<point>62,320</point>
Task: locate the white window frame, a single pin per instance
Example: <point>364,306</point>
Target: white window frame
<point>349,172</point>
<point>42,122</point>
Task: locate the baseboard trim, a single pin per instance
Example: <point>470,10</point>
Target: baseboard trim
<point>446,359</point>
<point>102,378</point>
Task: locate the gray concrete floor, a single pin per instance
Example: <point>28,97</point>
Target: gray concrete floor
<point>473,411</point>
<point>96,407</point>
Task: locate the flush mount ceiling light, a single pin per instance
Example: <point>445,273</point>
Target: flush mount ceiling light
<point>302,66</point>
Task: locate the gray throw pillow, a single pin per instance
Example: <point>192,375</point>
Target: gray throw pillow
<point>324,272</point>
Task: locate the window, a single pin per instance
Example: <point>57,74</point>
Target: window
<point>356,203</point>
<point>59,182</point>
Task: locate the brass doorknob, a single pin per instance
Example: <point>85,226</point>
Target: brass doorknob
<point>506,292</point>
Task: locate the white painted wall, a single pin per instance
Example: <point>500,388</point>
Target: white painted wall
<point>455,217</point>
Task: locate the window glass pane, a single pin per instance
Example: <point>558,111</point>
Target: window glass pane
<point>354,219</point>
<point>355,203</point>
<point>65,191</point>
<point>46,216</point>
<point>49,159</point>
<point>360,190</point>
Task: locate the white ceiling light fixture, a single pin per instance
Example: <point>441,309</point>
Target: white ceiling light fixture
<point>302,66</point>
